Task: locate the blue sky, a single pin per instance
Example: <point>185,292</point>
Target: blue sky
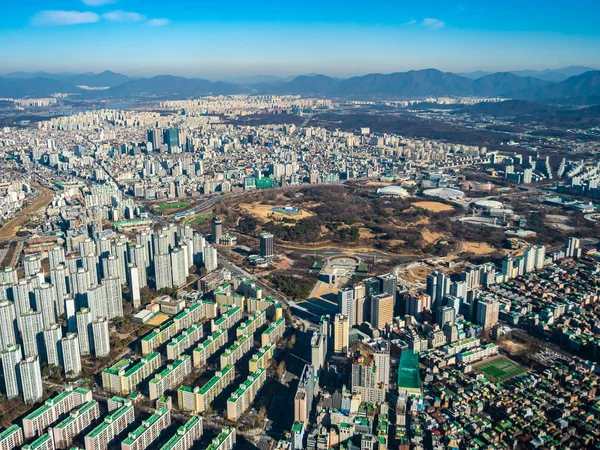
<point>233,37</point>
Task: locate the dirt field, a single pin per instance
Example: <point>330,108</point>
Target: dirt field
<point>418,274</point>
<point>431,237</point>
<point>262,212</point>
<point>433,206</point>
<point>158,319</point>
<point>477,248</point>
<point>10,228</point>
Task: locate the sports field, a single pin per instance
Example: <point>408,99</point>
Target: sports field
<point>176,205</point>
<point>499,369</point>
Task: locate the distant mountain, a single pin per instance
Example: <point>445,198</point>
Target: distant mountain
<point>474,75</point>
<point>584,85</point>
<point>502,82</point>
<point>32,87</point>
<point>554,75</point>
<point>175,87</point>
<point>254,79</point>
<point>104,79</point>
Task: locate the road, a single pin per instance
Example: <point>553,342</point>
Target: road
<point>10,228</point>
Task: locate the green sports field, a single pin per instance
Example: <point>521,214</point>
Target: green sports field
<point>500,369</point>
<point>168,206</point>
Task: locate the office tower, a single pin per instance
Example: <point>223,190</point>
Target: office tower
<point>70,313</point>
<point>573,248</point>
<point>32,333</point>
<point>171,137</point>
<point>84,321</point>
<point>138,257</point>
<point>267,248</point>
<point>217,227</point>
<point>346,303</point>
<point>71,355</point>
<point>90,263</point>
<point>101,337</point>
<point>58,279</point>
<point>45,303</point>
<point>305,395</point>
<point>325,330</point>
<point>162,271</point>
<point>31,265</point>
<point>20,297</point>
<point>318,351</point>
<point>383,310</point>
<point>133,278</point>
<point>381,359</point>
<point>56,256</point>
<point>199,244</point>
<point>114,296</point>
<point>487,313</point>
<point>359,304</point>
<point>417,303</point>
<point>389,282</point>
<point>31,379</point>
<point>438,286</point>
<point>210,258</point>
<point>341,336</point>
<point>155,137</point>
<point>11,357</point>
<point>447,314</point>
<point>7,325</point>
<point>52,341</point>
<point>179,268</point>
<point>96,301</point>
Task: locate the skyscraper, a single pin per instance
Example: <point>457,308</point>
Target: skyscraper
<point>114,296</point>
<point>217,229</point>
<point>162,271</point>
<point>46,304</point>
<point>32,332</point>
<point>7,324</point>
<point>210,258</point>
<point>487,312</point>
<point>179,269</point>
<point>171,137</point>
<point>134,284</point>
<point>341,336</point>
<point>31,379</point>
<point>267,248</point>
<point>346,303</point>
<point>383,310</point>
<point>84,331</point>
<point>381,358</point>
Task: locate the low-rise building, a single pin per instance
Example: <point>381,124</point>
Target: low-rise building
<point>243,397</point>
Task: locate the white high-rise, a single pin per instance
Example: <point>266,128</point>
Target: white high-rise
<point>58,280</point>
<point>52,337</point>
<point>101,337</point>
<point>84,320</point>
<point>31,379</point>
<point>179,269</point>
<point>56,256</point>
<point>71,355</point>
<point>133,276</point>
<point>46,303</point>
<point>210,258</point>
<point>32,333</point>
<point>162,271</point>
<point>114,296</point>
<point>7,324</point>
<point>11,357</point>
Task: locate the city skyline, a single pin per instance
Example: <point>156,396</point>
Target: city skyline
<point>250,38</point>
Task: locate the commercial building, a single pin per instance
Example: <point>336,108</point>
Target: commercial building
<point>273,332</point>
<point>114,423</point>
<point>267,247</point>
<point>318,351</point>
<point>243,397</point>
<point>341,334</point>
<point>77,421</point>
<point>171,377</point>
<point>305,395</point>
<point>383,310</point>
<point>143,436</point>
<point>186,435</point>
<point>198,399</point>
<point>209,347</point>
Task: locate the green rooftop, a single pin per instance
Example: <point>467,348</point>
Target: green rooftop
<point>214,380</point>
<point>9,432</point>
<point>181,432</point>
<point>218,441</point>
<point>408,371</point>
<point>146,424</point>
<point>38,443</point>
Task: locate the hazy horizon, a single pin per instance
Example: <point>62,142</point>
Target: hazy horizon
<point>247,38</point>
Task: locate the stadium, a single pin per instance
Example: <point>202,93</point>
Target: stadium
<point>444,193</point>
<point>488,204</point>
<point>392,191</point>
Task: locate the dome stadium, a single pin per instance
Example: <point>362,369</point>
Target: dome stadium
<point>488,204</point>
<point>393,191</point>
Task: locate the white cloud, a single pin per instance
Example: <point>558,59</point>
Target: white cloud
<point>98,2</point>
<point>411,22</point>
<point>49,18</point>
<point>158,22</point>
<point>433,24</point>
<point>123,16</point>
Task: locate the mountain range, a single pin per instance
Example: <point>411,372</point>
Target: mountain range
<point>581,88</point>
